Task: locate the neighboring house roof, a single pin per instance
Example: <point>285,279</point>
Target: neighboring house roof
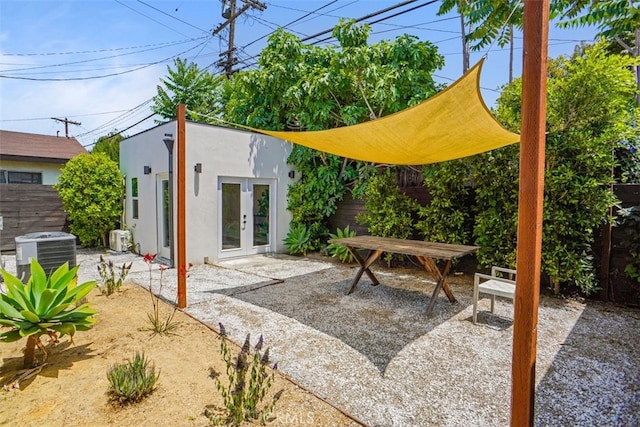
<point>32,147</point>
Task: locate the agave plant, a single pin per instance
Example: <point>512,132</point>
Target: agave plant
<point>298,240</point>
<point>44,306</point>
<point>339,251</point>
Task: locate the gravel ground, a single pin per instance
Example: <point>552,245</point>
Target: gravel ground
<point>375,354</point>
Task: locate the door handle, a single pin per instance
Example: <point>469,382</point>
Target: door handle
<point>244,221</point>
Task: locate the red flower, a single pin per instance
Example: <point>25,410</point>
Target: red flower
<point>148,258</point>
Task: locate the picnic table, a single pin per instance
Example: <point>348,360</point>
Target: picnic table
<point>425,252</point>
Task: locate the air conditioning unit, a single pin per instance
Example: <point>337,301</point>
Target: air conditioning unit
<point>50,249</point>
<point>119,240</point>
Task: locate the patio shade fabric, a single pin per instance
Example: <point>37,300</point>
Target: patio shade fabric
<point>454,123</point>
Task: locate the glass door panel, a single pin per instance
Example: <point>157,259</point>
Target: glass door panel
<point>232,225</point>
<point>261,212</point>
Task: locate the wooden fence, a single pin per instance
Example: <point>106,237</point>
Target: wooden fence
<point>616,285</point>
<point>28,208</point>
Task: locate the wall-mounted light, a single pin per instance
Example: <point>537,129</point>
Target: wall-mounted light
<point>147,170</point>
<point>198,168</point>
<point>292,174</point>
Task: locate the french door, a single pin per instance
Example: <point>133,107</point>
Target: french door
<point>162,216</point>
<point>245,216</point>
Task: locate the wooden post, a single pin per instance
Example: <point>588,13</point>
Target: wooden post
<point>529,247</point>
<point>182,202</point>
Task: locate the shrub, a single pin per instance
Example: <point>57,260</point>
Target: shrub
<point>90,187</point>
<point>339,251</point>
<point>448,217</point>
<point>298,240</point>
<point>630,223</point>
<point>132,381</point>
<point>388,212</point>
<point>248,383</point>
<point>44,306</point>
<point>108,281</point>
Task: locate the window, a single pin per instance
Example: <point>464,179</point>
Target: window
<point>15,177</point>
<point>134,198</point>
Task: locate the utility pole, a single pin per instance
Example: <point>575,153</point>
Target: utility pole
<point>230,13</point>
<point>66,124</point>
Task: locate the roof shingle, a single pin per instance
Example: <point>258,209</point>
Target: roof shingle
<point>38,147</point>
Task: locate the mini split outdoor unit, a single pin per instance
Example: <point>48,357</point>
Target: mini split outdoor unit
<point>119,240</point>
<point>50,249</point>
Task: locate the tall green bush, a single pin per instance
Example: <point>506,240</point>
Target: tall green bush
<point>448,217</point>
<point>589,113</point>
<point>388,212</point>
<point>90,187</point>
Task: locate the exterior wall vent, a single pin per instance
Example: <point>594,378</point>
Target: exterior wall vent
<point>50,249</point>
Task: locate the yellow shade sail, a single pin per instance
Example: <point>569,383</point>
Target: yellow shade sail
<point>454,123</point>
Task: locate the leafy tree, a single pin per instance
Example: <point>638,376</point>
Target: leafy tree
<point>109,145</point>
<point>461,6</point>
<point>306,87</point>
<point>187,84</point>
<point>589,113</point>
<point>90,187</point>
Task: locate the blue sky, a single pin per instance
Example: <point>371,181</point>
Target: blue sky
<point>99,62</point>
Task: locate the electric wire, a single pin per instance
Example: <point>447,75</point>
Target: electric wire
<point>171,16</point>
<point>126,129</point>
<point>84,61</point>
<point>113,49</point>
<point>104,75</point>
<point>370,15</point>
<point>430,2</point>
<point>150,18</point>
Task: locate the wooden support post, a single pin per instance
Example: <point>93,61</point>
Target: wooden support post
<point>529,247</point>
<point>182,202</point>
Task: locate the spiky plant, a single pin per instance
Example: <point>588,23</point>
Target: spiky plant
<point>339,251</point>
<point>44,306</point>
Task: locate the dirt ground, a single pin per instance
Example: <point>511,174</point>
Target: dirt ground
<point>71,389</point>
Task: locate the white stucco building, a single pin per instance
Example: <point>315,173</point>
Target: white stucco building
<point>236,187</point>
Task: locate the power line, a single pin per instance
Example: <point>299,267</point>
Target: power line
<point>368,16</point>
<point>112,122</point>
<point>171,16</point>
<point>84,61</point>
<point>371,15</point>
<point>113,49</point>
<point>49,118</point>
<point>313,12</point>
<point>100,76</point>
<point>126,129</point>
<point>150,18</point>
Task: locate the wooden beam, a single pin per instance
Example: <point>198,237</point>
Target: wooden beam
<point>182,202</point>
<point>529,246</point>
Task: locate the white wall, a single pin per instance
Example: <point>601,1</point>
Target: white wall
<point>144,149</point>
<point>223,152</point>
<point>50,171</point>
<point>227,152</point>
